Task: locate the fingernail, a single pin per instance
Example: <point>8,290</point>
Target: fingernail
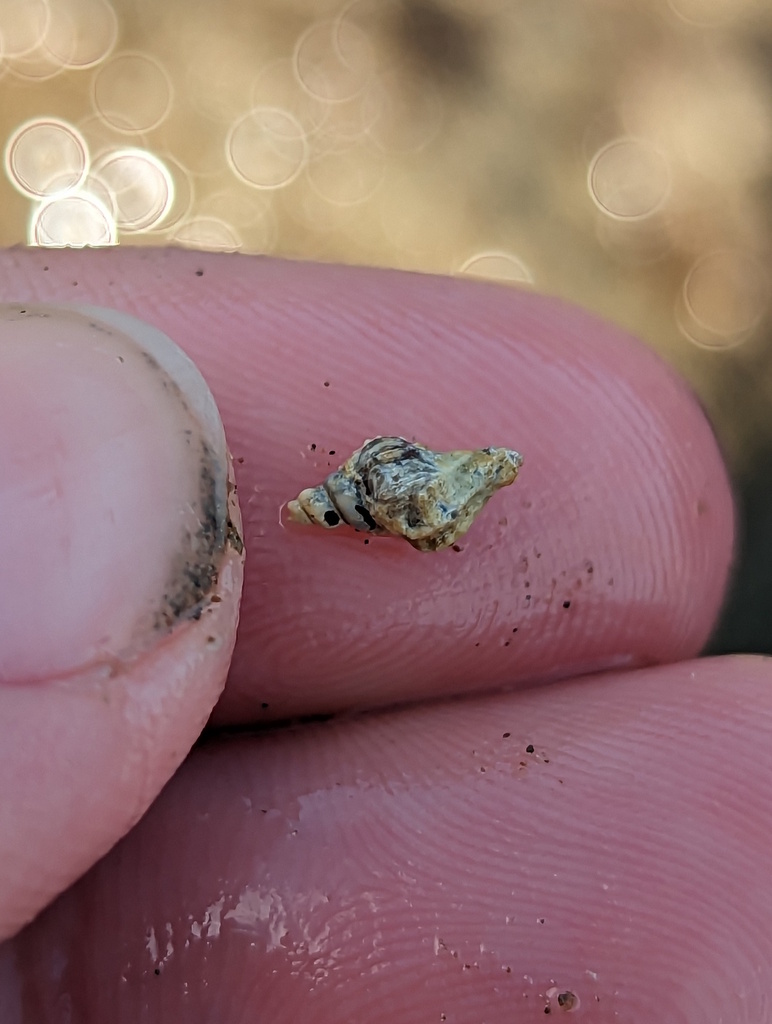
<point>116,508</point>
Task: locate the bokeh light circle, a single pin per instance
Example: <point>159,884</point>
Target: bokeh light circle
<point>267,148</point>
<point>132,92</point>
<point>140,185</point>
<point>333,60</point>
<point>23,25</point>
<point>629,179</point>
<point>725,294</point>
<point>81,33</point>
<point>210,234</point>
<point>74,220</point>
<point>497,266</point>
<point>46,156</point>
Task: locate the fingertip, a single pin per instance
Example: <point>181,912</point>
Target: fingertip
<point>612,549</point>
<point>120,599</point>
<point>606,838</point>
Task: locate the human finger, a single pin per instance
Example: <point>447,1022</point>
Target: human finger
<point>121,575</point>
<point>612,548</point>
<point>599,845</point>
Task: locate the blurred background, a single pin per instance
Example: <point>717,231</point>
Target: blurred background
<point>617,153</point>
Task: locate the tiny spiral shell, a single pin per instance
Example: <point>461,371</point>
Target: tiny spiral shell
<point>399,487</point>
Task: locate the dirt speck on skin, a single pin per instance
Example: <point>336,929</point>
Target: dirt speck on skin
<point>195,568</point>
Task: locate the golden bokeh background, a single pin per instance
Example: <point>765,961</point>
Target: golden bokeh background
<point>617,153</point>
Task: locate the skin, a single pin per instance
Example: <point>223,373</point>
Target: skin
<point>604,835</point>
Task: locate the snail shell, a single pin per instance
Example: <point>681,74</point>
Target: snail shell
<point>398,487</point>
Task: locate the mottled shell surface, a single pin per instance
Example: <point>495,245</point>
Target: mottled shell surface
<point>399,487</point>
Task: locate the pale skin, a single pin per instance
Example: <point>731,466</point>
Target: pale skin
<point>453,860</point>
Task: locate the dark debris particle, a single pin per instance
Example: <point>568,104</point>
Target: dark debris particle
<point>506,735</point>
<point>199,273</point>
<point>529,748</point>
<point>566,604</point>
<point>240,460</point>
<point>540,920</point>
<point>332,451</point>
<point>506,643</point>
<point>566,1000</point>
<point>263,705</point>
<point>367,518</point>
<point>367,540</point>
<point>326,383</point>
<point>457,547</point>
<point>45,268</point>
<point>233,537</point>
<point>477,644</point>
<point>514,629</point>
<point>312,447</point>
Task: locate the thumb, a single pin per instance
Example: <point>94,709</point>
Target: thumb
<point>120,578</point>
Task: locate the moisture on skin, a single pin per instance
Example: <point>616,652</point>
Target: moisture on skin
<point>391,486</point>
